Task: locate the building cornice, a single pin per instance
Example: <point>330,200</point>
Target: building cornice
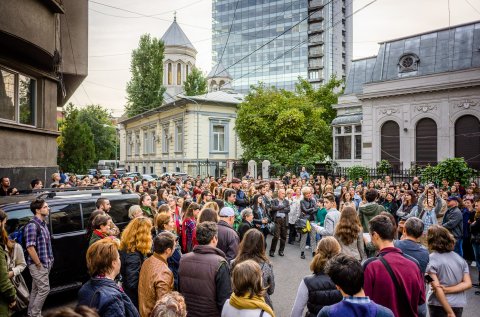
<point>420,84</point>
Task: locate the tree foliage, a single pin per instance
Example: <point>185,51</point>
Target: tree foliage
<point>287,128</point>
<point>195,84</point>
<point>76,147</point>
<point>357,171</point>
<point>145,89</point>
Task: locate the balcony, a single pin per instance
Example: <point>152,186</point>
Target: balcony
<point>315,4</point>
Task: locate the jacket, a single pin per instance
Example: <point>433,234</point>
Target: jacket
<point>241,200</point>
<point>321,292</point>
<point>475,230</point>
<point>244,227</point>
<point>331,220</point>
<point>204,281</point>
<point>367,212</point>
<point>130,270</point>
<point>7,290</point>
<point>174,263</point>
<point>378,284</point>
<point>228,240</point>
<point>308,208</point>
<point>155,281</point>
<point>107,298</point>
<point>453,221</point>
<point>278,208</point>
<point>355,249</point>
<point>230,311</point>
<point>347,308</point>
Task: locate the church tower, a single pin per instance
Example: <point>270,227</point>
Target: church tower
<point>179,59</point>
<point>219,79</point>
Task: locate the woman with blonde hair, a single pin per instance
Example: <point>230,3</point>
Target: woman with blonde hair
<point>247,297</point>
<point>318,290</point>
<point>349,234</point>
<point>135,211</point>
<point>135,245</point>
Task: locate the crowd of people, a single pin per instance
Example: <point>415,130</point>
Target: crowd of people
<point>198,247</point>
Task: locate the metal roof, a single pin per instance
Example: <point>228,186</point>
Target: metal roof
<point>220,96</point>
<point>175,36</point>
<point>348,119</point>
<point>443,50</point>
<point>219,71</point>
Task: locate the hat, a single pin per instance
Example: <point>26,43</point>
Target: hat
<point>453,198</point>
<point>227,212</point>
<point>236,181</point>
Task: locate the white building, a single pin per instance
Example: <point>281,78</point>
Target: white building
<point>416,102</point>
<point>192,134</point>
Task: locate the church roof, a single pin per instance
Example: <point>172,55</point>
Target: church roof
<point>449,49</point>
<point>219,71</point>
<point>175,36</point>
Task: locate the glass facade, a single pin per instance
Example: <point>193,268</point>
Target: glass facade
<point>257,22</point>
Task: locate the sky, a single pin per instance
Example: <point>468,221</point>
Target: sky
<point>114,33</point>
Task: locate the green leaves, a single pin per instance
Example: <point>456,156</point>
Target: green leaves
<point>357,171</point>
<point>450,169</point>
<point>287,128</point>
<point>195,84</point>
<point>145,89</point>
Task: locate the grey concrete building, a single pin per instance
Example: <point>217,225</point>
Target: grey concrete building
<point>43,60</point>
<point>416,103</point>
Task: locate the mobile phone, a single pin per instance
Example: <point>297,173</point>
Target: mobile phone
<point>428,278</point>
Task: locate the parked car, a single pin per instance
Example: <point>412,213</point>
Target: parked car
<point>149,177</point>
<point>67,222</point>
<point>131,175</point>
<point>183,175</point>
<point>106,173</point>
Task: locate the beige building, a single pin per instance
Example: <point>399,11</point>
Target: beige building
<point>416,103</point>
<point>193,134</point>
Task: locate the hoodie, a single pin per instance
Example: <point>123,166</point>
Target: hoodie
<point>367,212</point>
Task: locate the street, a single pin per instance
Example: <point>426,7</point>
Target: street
<point>289,270</point>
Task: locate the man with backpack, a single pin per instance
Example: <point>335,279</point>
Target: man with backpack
<point>39,256</point>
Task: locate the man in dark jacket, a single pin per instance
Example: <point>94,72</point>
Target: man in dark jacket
<point>240,197</point>
<point>453,221</point>
<point>279,214</point>
<point>204,275</point>
<point>370,209</point>
<point>308,208</point>
<point>228,239</point>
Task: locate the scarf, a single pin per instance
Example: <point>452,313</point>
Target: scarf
<point>245,302</point>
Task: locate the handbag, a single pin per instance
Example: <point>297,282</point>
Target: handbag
<point>303,225</point>
<point>270,227</point>
<point>23,295</point>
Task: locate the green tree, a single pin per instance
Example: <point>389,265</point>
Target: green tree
<point>99,120</point>
<point>284,127</point>
<point>451,169</point>
<point>145,90</point>
<point>196,83</point>
<point>324,97</point>
<point>76,147</point>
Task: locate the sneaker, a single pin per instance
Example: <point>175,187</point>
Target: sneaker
<point>302,255</point>
<point>272,254</point>
<point>307,247</point>
<point>281,253</point>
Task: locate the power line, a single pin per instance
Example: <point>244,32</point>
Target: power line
<point>471,5</point>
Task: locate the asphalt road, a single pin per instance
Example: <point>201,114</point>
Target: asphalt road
<point>289,271</point>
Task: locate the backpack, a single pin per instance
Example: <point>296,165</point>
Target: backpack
<point>19,235</point>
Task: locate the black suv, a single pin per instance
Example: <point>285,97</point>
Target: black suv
<point>67,222</point>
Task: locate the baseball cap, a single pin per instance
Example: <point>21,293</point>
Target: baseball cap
<point>227,212</point>
<point>236,181</point>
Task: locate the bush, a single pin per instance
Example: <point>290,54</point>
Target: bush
<point>384,167</point>
<point>357,171</point>
<point>450,169</point>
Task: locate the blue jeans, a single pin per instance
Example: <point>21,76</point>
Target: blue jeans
<point>458,247</point>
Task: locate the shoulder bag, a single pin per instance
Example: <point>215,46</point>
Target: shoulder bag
<point>23,294</point>
<point>400,293</point>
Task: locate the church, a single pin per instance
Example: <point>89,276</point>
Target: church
<point>192,134</point>
<point>415,103</point>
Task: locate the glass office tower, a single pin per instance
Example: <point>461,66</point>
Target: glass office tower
<point>307,38</point>
<point>257,22</point>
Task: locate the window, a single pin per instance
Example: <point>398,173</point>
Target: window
<point>146,148</point>
<point>165,137</point>
<point>358,147</point>
<point>144,170</point>
<point>65,218</point>
<point>17,97</point>
<point>137,144</point>
<point>467,140</point>
<point>347,129</point>
<point>313,75</point>
<point>218,132</point>
<point>179,137</point>
<point>119,210</point>
<point>390,143</point>
<point>186,71</point>
<point>426,142</point>
<point>343,147</point>
<point>17,219</point>
<point>151,169</point>
<point>358,129</point>
<point>153,138</point>
<point>129,144</point>
<point>169,74</point>
<point>179,74</point>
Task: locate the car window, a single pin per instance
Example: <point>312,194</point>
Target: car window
<point>65,218</point>
<point>119,210</point>
<point>87,209</point>
<point>17,218</point>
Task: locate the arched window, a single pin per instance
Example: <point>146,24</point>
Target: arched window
<point>426,142</point>
<point>390,143</point>
<point>222,83</point>
<point>170,75</point>
<point>467,140</point>
<point>186,71</point>
<point>179,74</point>
<point>213,85</point>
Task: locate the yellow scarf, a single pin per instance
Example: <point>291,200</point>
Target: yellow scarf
<point>245,302</point>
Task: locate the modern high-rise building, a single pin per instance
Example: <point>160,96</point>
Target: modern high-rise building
<point>276,41</point>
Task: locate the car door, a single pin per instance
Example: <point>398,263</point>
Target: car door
<point>69,245</point>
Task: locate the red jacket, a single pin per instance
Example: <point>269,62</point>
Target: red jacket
<point>378,284</point>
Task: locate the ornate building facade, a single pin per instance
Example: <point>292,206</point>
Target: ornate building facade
<point>416,103</point>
